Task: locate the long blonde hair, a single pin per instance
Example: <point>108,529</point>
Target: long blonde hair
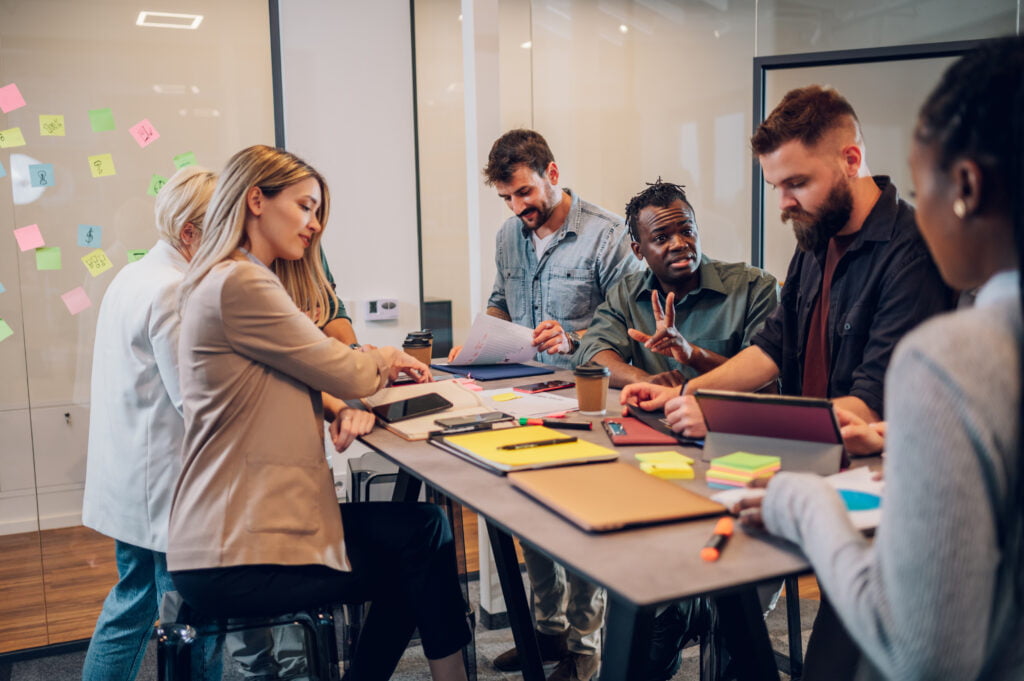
<point>271,170</point>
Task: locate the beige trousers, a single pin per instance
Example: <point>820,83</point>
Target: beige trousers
<point>562,600</point>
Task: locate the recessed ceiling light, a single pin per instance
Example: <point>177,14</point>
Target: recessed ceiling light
<point>169,20</point>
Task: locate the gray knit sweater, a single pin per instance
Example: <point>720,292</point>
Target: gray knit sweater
<point>933,596</point>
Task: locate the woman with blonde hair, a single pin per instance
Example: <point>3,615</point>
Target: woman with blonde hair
<point>255,527</point>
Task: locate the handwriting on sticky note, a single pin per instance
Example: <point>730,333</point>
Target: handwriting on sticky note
<point>90,236</point>
<point>5,330</point>
<point>102,165</point>
<point>186,159</point>
<point>101,120</point>
<point>11,137</point>
<point>137,254</point>
<point>155,183</point>
<point>41,174</point>
<point>144,133</point>
<point>48,258</point>
<point>10,98</point>
<point>51,126</point>
<point>29,237</point>
<point>76,300</point>
<point>97,262</point>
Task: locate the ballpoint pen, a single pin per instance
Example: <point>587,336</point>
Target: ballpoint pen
<point>539,443</point>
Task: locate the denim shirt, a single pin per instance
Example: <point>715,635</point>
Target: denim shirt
<point>884,285</point>
<point>587,254</point>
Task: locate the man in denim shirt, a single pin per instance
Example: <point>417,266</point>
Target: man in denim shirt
<point>556,259</point>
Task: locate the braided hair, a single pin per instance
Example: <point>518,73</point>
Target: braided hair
<point>658,193</point>
<point>977,112</point>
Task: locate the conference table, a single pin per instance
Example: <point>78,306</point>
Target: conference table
<point>640,568</point>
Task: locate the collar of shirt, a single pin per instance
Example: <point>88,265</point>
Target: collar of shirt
<point>708,279</point>
<point>880,223</point>
<point>1000,286</point>
<point>571,224</point>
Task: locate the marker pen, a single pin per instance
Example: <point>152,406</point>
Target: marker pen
<point>723,530</point>
<point>557,423</point>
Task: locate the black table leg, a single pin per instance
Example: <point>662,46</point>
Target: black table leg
<point>407,487</point>
<point>741,626</point>
<point>507,564</point>
<point>628,639</point>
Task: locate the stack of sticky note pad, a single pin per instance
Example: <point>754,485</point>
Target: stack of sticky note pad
<point>669,465</point>
<point>739,468</point>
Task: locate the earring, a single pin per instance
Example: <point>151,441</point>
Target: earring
<point>959,208</point>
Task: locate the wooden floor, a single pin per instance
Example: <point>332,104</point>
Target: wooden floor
<point>61,602</point>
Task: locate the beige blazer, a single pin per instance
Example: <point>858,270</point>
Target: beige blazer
<point>255,486</point>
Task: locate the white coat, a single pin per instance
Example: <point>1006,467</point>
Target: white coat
<point>135,422</point>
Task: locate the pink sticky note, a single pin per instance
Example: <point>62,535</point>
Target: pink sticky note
<point>76,300</point>
<point>144,132</point>
<point>10,98</point>
<point>29,237</point>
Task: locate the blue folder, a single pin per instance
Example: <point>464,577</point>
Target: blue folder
<point>493,372</point>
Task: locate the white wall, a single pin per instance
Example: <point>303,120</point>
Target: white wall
<point>348,102</point>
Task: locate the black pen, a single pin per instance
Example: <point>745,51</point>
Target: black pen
<point>540,443</point>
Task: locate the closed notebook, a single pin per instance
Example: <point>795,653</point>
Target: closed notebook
<point>484,448</point>
<point>612,496</point>
<point>631,431</point>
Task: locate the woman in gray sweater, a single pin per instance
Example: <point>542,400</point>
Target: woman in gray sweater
<point>938,595</point>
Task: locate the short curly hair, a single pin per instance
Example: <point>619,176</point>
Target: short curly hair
<point>516,148</point>
<point>658,193</point>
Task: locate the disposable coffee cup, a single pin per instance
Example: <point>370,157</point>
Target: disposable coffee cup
<point>592,388</point>
<point>426,335</point>
<point>418,348</point>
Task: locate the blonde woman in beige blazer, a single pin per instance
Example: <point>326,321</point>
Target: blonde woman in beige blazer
<point>255,527</point>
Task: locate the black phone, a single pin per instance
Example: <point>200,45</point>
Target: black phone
<point>543,386</point>
<point>473,419</point>
<point>420,405</point>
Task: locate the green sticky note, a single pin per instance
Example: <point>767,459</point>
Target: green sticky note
<point>101,120</point>
<point>137,254</point>
<point>48,258</point>
<point>745,461</point>
<point>155,183</point>
<point>5,330</point>
<point>186,159</point>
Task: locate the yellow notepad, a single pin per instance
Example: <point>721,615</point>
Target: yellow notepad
<point>484,446</point>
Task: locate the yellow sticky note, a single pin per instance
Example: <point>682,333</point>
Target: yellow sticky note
<point>505,397</point>
<point>102,165</point>
<point>51,126</point>
<point>11,137</point>
<point>668,471</point>
<point>97,262</point>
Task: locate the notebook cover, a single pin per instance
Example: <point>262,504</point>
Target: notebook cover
<point>637,433</point>
<point>611,496</point>
<point>483,448</point>
<point>493,372</point>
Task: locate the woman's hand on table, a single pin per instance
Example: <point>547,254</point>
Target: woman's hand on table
<point>748,509</point>
<point>684,416</point>
<point>401,363</point>
<point>348,425</point>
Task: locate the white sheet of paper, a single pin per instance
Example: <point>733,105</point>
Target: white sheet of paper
<point>495,341</point>
<point>526,405</point>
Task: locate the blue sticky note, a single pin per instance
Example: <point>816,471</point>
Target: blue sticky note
<point>859,501</point>
<point>3,173</point>
<point>2,289</point>
<point>41,174</point>
<point>90,236</point>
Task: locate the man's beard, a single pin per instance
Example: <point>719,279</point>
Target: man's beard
<point>814,231</point>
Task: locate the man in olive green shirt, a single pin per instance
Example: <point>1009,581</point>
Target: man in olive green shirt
<point>687,313</point>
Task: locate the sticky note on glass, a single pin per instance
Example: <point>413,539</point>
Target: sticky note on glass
<point>101,120</point>
<point>97,262</point>
<point>29,237</point>
<point>137,254</point>
<point>155,183</point>
<point>90,236</point>
<point>5,330</point>
<point>51,126</point>
<point>10,98</point>
<point>102,165</point>
<point>76,300</point>
<point>2,289</point>
<point>186,159</point>
<point>48,258</point>
<point>11,137</point>
<point>41,174</point>
<point>144,133</point>
<point>3,173</point>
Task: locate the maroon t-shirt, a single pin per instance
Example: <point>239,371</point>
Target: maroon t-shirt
<point>816,354</point>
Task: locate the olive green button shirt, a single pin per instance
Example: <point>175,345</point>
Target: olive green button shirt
<point>722,314</point>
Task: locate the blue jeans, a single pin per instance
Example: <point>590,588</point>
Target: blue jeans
<point>125,624</point>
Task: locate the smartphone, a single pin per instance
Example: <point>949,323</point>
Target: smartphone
<point>420,405</point>
<point>544,386</point>
<point>473,419</point>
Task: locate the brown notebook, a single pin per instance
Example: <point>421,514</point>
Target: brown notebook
<point>600,497</point>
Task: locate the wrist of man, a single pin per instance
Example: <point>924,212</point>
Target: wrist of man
<point>574,342</point>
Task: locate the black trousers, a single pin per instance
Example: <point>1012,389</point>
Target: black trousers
<point>403,561</point>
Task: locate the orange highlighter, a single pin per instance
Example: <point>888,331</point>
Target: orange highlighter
<point>723,530</point>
